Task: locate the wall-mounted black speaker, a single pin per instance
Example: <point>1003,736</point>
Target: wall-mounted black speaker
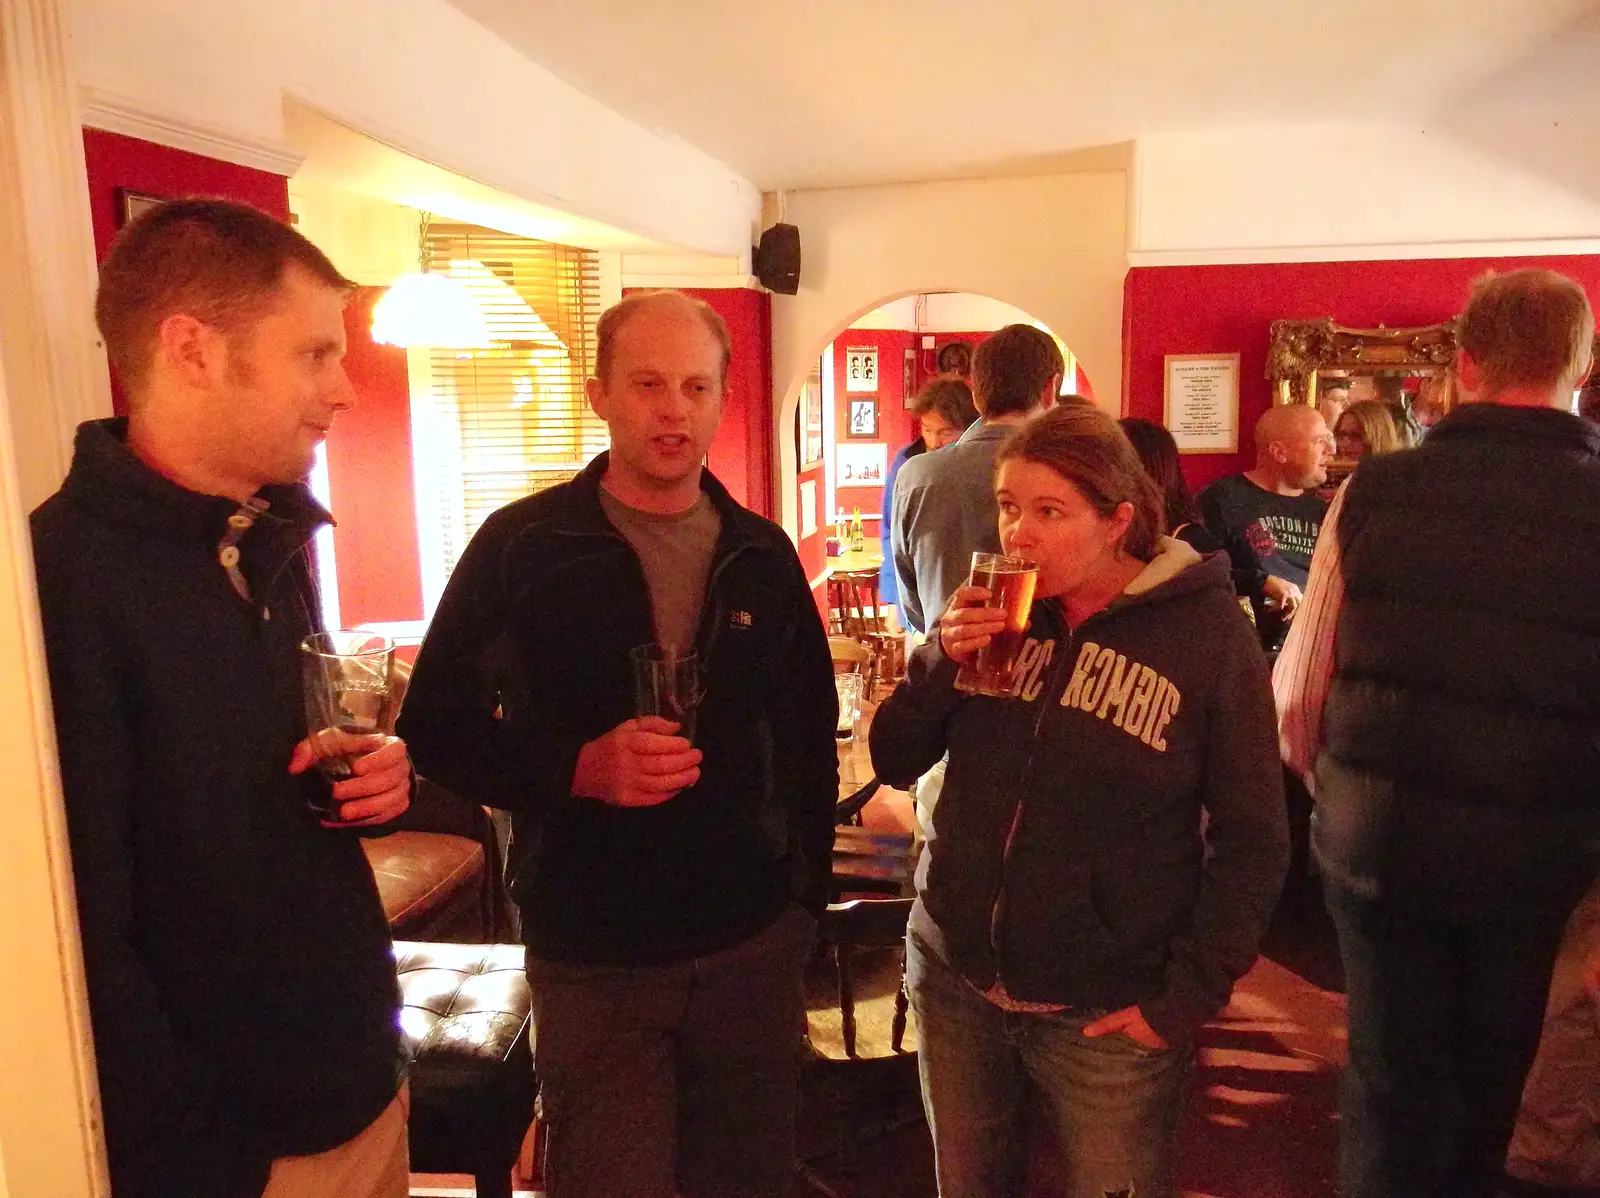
<point>777,259</point>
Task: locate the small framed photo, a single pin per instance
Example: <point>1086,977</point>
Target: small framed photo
<point>864,418</point>
<point>861,465</point>
<point>811,420</point>
<point>131,203</point>
<point>861,369</point>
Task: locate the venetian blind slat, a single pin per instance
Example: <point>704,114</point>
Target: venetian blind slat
<point>518,409</point>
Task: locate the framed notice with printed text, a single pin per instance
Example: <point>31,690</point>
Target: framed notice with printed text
<point>1202,402</point>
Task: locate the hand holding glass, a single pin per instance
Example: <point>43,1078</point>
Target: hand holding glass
<point>1010,582</point>
<point>666,683</point>
<point>344,681</point>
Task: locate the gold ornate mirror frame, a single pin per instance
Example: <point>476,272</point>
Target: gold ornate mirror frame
<point>1303,349</point>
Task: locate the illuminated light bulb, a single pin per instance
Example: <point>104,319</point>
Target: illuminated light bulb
<point>429,309</point>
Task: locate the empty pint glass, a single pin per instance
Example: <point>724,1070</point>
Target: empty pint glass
<point>344,680</point>
<point>1010,582</point>
<point>666,683</point>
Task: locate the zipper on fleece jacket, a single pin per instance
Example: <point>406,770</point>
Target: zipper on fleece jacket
<point>997,901</point>
<point>703,644</point>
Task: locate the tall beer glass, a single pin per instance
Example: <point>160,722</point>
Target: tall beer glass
<point>345,682</point>
<point>1010,582</point>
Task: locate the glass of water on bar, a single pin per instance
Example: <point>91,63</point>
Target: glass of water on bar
<point>1010,582</point>
<point>344,680</point>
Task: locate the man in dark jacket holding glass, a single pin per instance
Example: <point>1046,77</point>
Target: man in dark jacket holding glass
<point>240,974</point>
<point>668,877</point>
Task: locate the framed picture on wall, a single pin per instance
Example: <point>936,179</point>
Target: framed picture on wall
<point>864,418</point>
<point>861,369</point>
<point>861,465</point>
<point>131,203</point>
<point>810,414</point>
<point>1202,402</point>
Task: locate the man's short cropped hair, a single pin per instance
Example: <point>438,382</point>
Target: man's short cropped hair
<point>218,261</point>
<point>614,317</point>
<point>1011,368</point>
<point>1528,328</point>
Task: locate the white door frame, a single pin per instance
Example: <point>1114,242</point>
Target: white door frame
<point>52,375</point>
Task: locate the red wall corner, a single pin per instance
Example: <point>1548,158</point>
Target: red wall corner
<point>370,482</point>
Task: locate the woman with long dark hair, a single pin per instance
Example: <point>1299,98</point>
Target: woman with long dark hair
<point>1159,453</point>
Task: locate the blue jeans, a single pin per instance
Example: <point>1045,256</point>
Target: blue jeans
<point>1112,1103</point>
<point>1446,1002</point>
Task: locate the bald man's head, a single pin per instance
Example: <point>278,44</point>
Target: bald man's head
<point>614,317</point>
<point>1293,445</point>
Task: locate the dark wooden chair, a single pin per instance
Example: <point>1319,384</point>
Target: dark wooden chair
<point>859,614</point>
<point>862,1049</point>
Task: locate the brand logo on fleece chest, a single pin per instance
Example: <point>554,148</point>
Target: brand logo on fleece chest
<point>1131,695</point>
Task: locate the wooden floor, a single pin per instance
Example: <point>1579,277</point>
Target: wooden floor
<point>1259,1121</point>
<point>1260,1118</point>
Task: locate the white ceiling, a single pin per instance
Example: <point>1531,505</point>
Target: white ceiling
<point>833,92</point>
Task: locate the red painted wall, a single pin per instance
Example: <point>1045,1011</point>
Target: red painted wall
<point>370,479</point>
<point>1228,309</point>
<point>114,161</point>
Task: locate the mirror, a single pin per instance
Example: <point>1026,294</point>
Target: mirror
<point>1303,351</point>
<point>1408,370</point>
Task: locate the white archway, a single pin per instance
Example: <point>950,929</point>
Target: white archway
<point>961,312</point>
<point>1054,246</point>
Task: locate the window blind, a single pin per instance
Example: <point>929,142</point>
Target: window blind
<point>513,416</point>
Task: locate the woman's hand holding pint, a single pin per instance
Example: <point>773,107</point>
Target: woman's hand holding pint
<point>968,624</point>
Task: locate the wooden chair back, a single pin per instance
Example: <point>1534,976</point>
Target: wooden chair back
<point>860,613</point>
<point>860,924</point>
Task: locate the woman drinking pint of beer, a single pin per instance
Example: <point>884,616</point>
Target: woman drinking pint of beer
<point>1074,925</point>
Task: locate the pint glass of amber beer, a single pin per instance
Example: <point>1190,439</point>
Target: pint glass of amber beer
<point>1010,582</point>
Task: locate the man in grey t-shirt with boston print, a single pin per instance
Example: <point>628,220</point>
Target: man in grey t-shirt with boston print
<point>667,886</point>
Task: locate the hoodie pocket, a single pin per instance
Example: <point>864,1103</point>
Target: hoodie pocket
<point>1142,905</point>
<point>1056,922</point>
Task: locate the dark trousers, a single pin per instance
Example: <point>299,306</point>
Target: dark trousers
<point>673,1079</point>
<point>1446,1001</point>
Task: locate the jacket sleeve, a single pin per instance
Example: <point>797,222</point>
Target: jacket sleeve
<point>166,1132</point>
<point>905,568</point>
<point>1249,577</point>
<point>451,719</point>
<point>1247,842</point>
<point>888,575</point>
<point>908,730</point>
<point>804,710</point>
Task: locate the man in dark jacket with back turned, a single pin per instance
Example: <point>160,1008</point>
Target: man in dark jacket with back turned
<point>667,876</point>
<point>241,981</point>
<point>1458,785</point>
